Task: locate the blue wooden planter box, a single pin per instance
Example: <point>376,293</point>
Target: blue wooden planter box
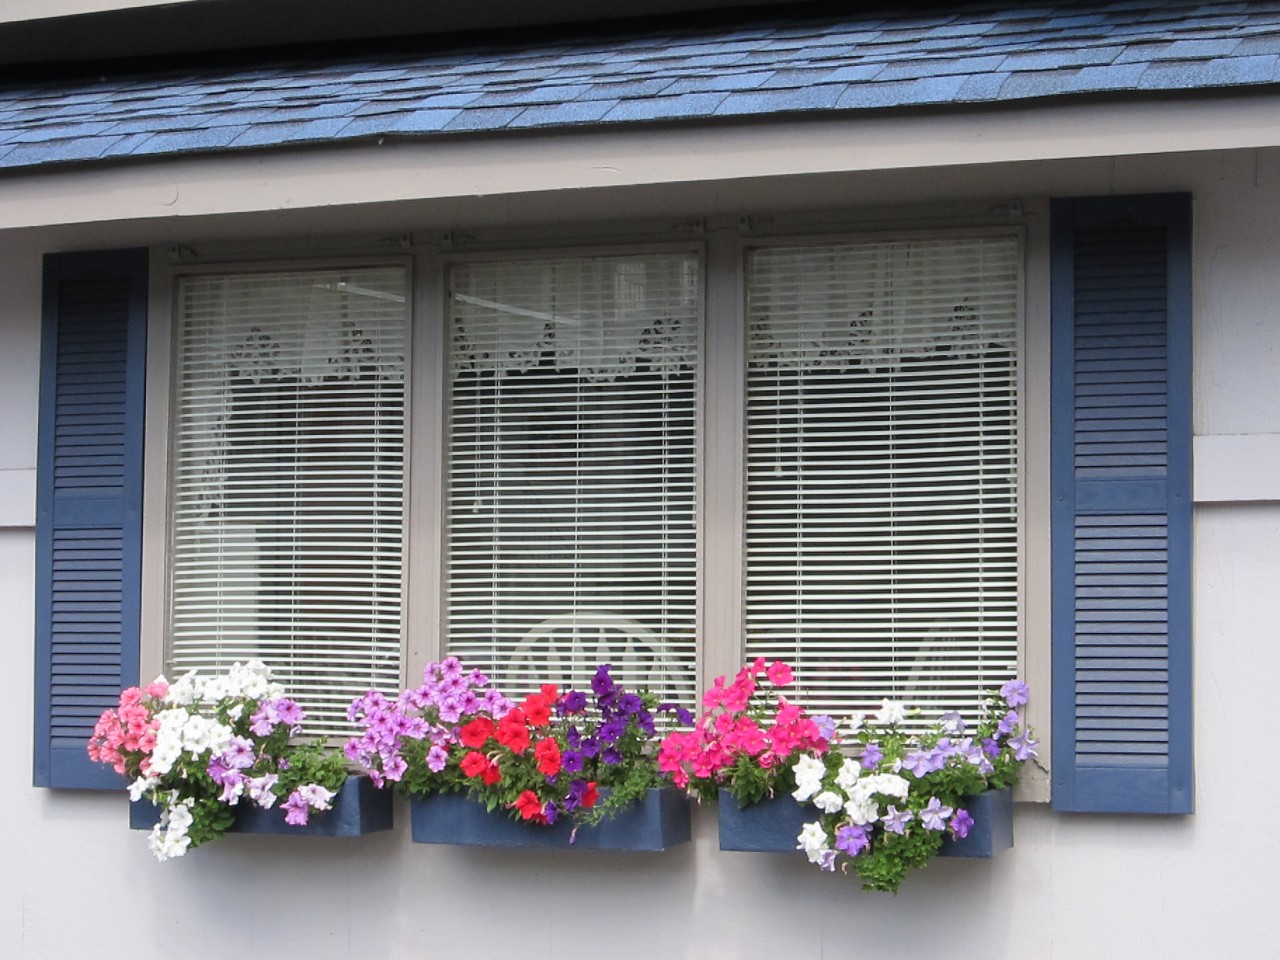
<point>358,808</point>
<point>772,826</point>
<point>658,821</point>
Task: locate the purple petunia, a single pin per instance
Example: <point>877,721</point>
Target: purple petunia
<point>852,840</point>
<point>1024,748</point>
<point>575,701</point>
<point>871,756</point>
<point>960,824</point>
<point>895,820</point>
<point>1015,693</point>
<point>934,815</point>
<point>1008,723</point>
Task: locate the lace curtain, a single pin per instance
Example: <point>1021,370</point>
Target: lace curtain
<point>603,318</point>
<point>877,304</point>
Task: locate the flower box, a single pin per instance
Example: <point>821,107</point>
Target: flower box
<point>658,821</point>
<point>772,825</point>
<point>358,808</point>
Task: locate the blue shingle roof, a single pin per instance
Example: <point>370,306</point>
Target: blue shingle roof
<point>771,65</point>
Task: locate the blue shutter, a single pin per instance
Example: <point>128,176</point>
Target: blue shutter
<point>88,504</point>
<point>1121,523</point>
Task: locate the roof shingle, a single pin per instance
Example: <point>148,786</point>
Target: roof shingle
<point>772,65</point>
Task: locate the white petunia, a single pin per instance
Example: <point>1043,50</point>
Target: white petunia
<point>890,713</point>
<point>813,841</point>
<point>862,807</point>
<point>888,784</point>
<point>808,772</point>
<point>186,690</point>
<point>849,775</point>
<point>169,837</point>
<point>828,801</point>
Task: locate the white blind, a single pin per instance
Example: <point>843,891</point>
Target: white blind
<point>882,437</point>
<point>571,470</point>
<point>287,485</point>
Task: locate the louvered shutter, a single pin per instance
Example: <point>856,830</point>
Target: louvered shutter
<point>882,469</point>
<point>571,470</point>
<point>89,499</point>
<point>287,480</point>
<point>1121,478</point>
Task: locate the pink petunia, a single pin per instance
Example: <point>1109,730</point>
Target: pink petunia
<point>780,674</point>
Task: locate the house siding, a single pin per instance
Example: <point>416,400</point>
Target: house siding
<point>1073,885</point>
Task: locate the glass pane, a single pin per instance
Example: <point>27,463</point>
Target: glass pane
<point>882,435</point>
<point>571,497</point>
<point>287,480</point>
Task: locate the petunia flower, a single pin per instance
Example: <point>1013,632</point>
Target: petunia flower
<point>1024,748</point>
<point>852,840</point>
<point>934,815</point>
<point>895,820</point>
<point>1015,693</point>
<point>779,674</point>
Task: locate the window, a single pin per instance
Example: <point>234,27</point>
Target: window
<point>882,468</point>
<point>287,479</point>
<point>1115,609</point>
<point>881,440</point>
<point>572,537</point>
<point>879,418</point>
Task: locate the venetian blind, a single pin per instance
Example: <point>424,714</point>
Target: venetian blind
<point>882,441</point>
<point>287,485</point>
<point>571,470</point>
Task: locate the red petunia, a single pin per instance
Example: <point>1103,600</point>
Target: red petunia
<point>529,806</point>
<point>547,753</point>
<point>513,732</point>
<point>537,709</point>
<point>474,764</point>
<point>491,775</point>
<point>476,733</point>
<point>590,795</point>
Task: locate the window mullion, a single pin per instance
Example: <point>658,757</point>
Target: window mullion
<point>721,477</point>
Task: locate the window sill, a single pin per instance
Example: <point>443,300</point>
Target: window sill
<point>358,809</point>
<point>659,821</point>
<point>773,825</point>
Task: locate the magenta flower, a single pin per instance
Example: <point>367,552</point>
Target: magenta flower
<point>289,713</point>
<point>239,753</point>
<point>437,758</point>
<point>261,790</point>
<point>296,810</point>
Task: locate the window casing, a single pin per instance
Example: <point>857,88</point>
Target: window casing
<point>717,622</point>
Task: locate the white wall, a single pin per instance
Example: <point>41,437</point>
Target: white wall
<point>77,883</point>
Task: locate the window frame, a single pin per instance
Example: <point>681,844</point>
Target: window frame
<point>722,246</point>
<point>168,269</point>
